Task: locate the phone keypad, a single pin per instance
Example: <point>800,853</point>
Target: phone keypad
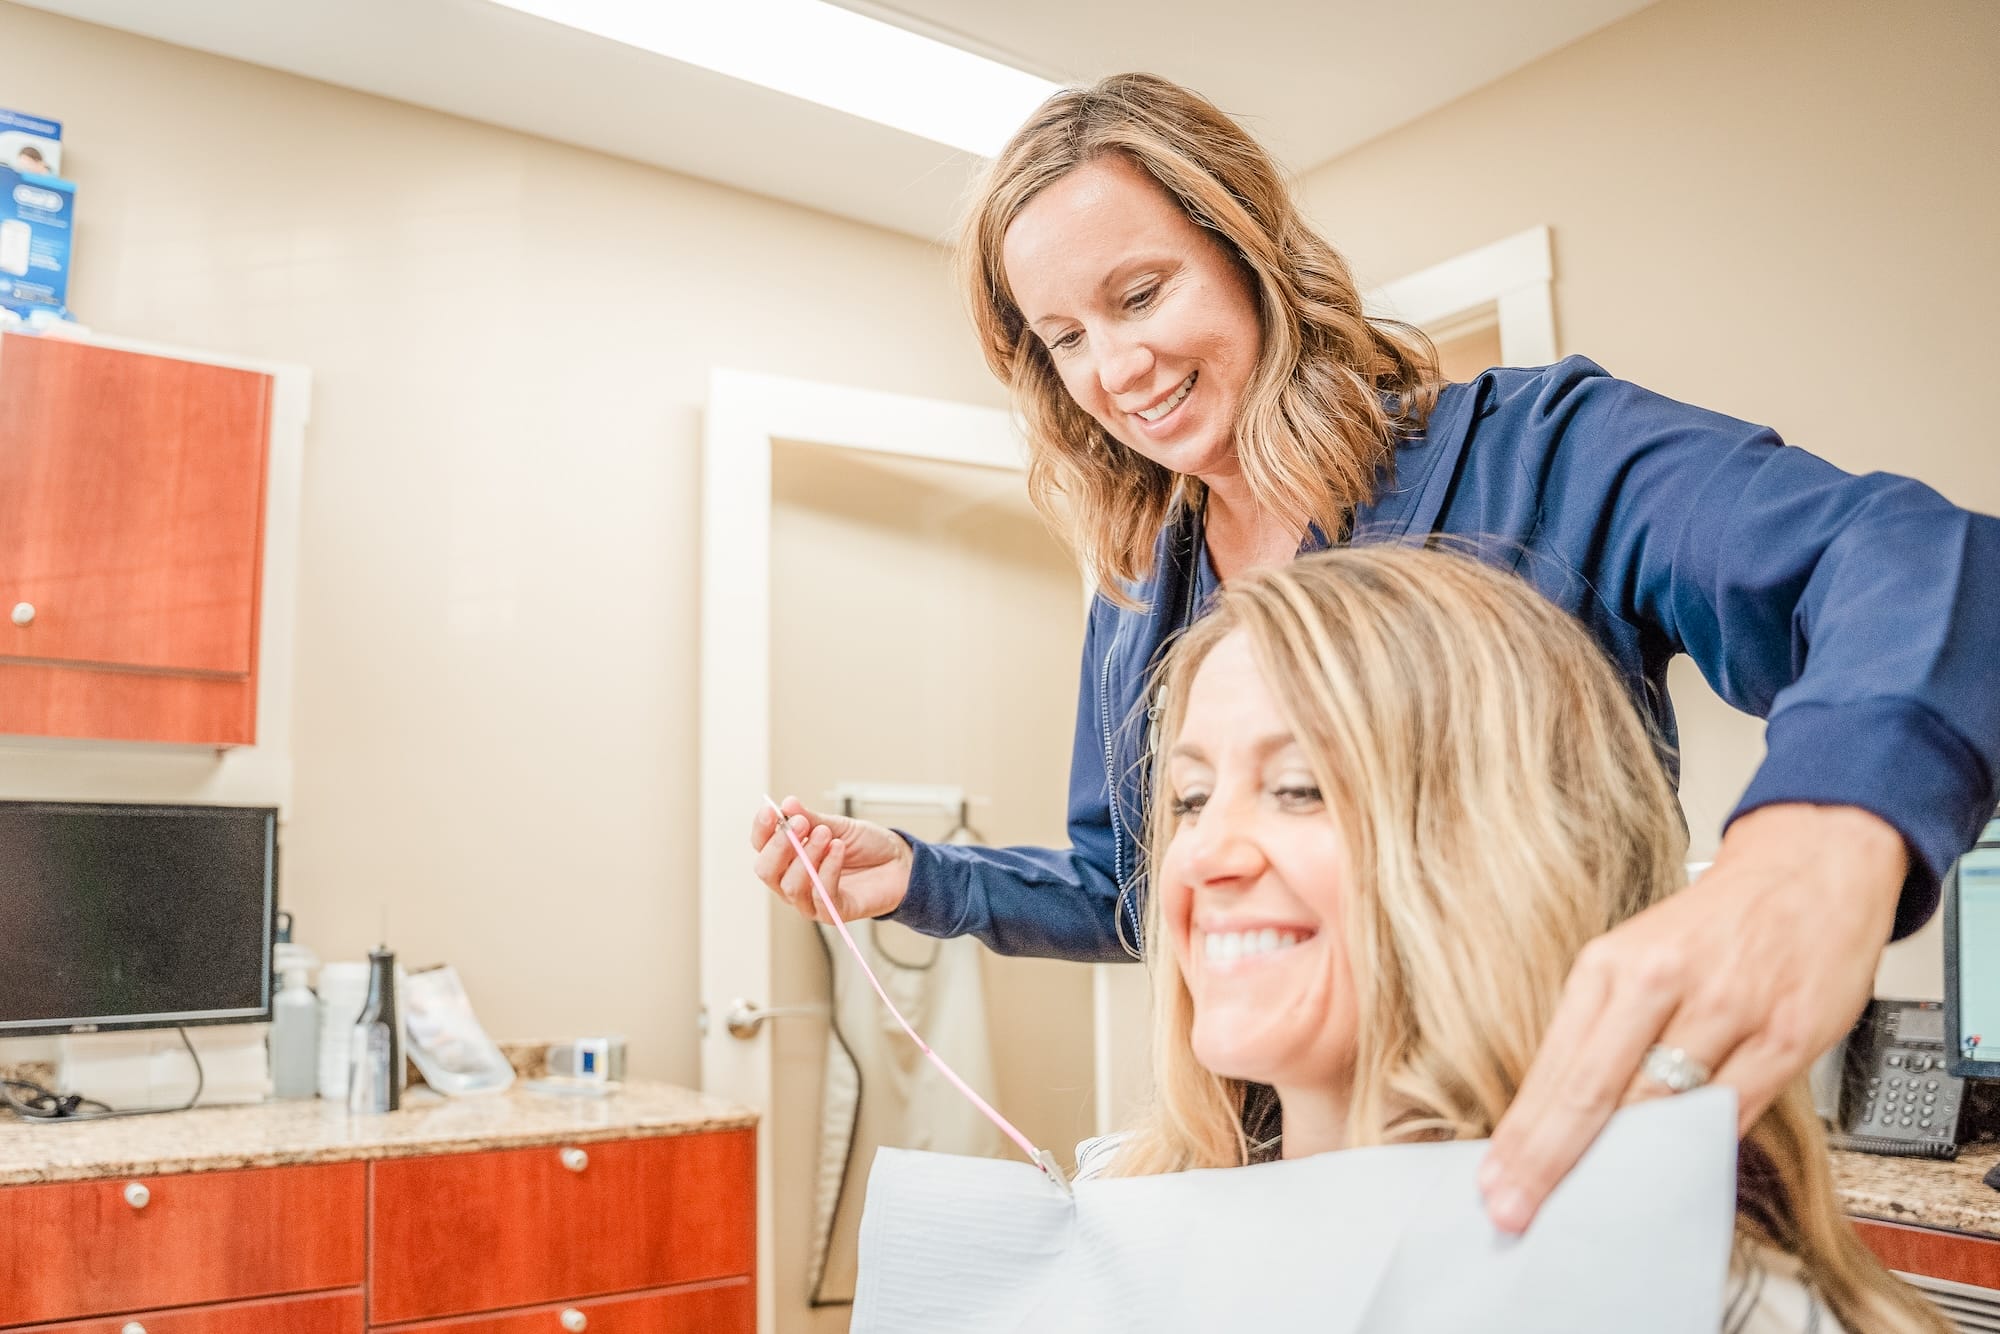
<point>1909,1097</point>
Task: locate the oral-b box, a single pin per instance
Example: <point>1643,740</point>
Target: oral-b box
<point>36,214</point>
<point>30,144</point>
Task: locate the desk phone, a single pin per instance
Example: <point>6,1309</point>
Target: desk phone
<point>1896,1094</point>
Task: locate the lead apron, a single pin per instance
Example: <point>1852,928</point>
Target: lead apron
<point>879,1090</point>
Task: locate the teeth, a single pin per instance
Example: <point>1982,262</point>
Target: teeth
<point>1223,947</point>
<point>1154,414</point>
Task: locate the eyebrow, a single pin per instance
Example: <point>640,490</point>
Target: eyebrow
<point>1111,280</point>
<point>1262,746</point>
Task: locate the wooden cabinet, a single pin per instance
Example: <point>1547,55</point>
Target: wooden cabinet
<point>326,1313</point>
<point>132,496</point>
<point>85,1248</point>
<point>639,1236</point>
<point>482,1231</point>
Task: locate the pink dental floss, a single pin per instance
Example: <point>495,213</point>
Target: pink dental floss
<point>1040,1157</point>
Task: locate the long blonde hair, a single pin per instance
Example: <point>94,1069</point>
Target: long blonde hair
<point>1503,804</point>
<point>1333,389</point>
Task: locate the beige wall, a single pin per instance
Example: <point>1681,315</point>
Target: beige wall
<point>935,641</point>
<point>1779,210</point>
<point>495,704</point>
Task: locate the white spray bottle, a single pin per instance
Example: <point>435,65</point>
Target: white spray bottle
<point>295,1027</point>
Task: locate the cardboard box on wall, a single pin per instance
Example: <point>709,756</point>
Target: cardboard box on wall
<point>30,145</point>
<point>36,214</point>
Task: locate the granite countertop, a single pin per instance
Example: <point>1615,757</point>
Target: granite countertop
<point>1920,1192</point>
<point>1915,1191</point>
<point>310,1130</point>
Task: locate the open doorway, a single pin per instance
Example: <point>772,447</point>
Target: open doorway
<point>1468,346</point>
<point>925,632</point>
<point>880,608</point>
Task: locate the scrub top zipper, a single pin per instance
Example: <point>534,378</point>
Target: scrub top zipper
<point>1127,908</point>
<point>1124,905</point>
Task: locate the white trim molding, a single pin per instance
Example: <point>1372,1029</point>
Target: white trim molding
<point>1513,277</point>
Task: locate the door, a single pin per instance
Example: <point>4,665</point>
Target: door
<point>828,511</point>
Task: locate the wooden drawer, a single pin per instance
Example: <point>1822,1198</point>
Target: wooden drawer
<point>721,1308</point>
<point>475,1232</point>
<point>84,1249</point>
<point>1955,1256</point>
<point>44,699</point>
<point>327,1313</point>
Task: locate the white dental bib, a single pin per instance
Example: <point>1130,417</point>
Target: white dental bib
<point>1387,1241</point>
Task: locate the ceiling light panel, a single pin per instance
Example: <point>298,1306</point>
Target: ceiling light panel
<point>827,55</point>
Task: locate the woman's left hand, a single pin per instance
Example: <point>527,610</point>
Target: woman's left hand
<point>1754,970</point>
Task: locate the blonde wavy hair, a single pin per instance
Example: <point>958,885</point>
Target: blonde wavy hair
<point>1333,389</point>
<point>1503,804</point>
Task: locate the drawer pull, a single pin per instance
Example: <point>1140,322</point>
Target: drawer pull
<point>24,614</point>
<point>575,1160</point>
<point>138,1197</point>
<point>573,1320</point>
<point>133,1327</point>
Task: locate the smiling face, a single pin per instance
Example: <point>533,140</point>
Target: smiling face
<point>1150,323</point>
<point>1253,883</point>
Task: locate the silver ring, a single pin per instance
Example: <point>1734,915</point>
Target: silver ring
<point>1673,1069</point>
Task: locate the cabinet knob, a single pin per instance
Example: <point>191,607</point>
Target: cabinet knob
<point>132,1327</point>
<point>575,1160</point>
<point>24,613</point>
<point>137,1195</point>
<point>573,1320</point>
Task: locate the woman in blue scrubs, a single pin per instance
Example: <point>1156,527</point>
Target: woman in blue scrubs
<point>1205,396</point>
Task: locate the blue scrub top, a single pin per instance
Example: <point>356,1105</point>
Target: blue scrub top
<point>1859,616</point>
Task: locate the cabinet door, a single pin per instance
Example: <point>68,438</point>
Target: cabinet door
<point>461,1233</point>
<point>90,1247</point>
<point>324,1313</point>
<point>131,508</point>
<point>719,1308</point>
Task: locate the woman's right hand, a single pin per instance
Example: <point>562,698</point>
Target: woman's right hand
<point>865,867</point>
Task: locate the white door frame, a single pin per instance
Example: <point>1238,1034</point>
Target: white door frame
<point>1514,275</point>
<point>746,413</point>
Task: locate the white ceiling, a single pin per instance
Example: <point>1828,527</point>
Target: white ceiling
<point>1313,78</point>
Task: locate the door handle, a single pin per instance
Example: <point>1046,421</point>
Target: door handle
<point>744,1019</point>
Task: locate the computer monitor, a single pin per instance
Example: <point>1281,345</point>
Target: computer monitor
<point>117,916</point>
<point>1972,959</point>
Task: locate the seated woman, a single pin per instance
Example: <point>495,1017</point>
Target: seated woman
<point>1403,793</point>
